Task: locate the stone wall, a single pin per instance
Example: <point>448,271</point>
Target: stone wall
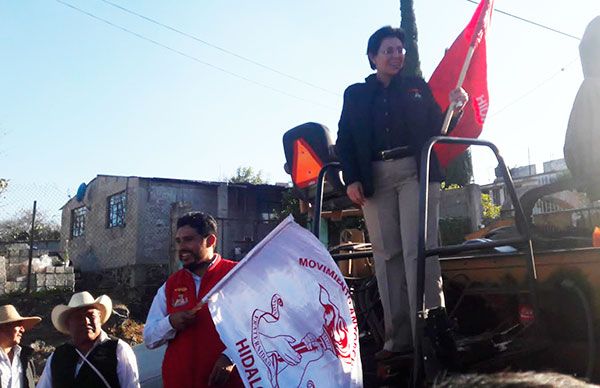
<point>13,275</point>
<point>133,285</point>
<point>54,278</point>
<point>463,203</point>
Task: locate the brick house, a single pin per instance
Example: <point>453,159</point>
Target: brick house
<point>123,226</point>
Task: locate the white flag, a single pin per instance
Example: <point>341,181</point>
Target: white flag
<point>286,316</point>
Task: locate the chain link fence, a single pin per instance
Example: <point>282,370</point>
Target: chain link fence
<point>117,233</point>
<point>31,257</point>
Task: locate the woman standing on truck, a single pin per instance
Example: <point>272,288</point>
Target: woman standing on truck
<point>392,112</point>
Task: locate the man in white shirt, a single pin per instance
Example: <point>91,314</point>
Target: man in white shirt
<point>16,368</point>
<point>195,356</point>
<point>92,359</point>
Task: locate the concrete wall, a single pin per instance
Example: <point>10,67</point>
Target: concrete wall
<point>238,218</point>
<point>557,165</point>
<point>237,228</point>
<point>153,206</point>
<point>463,202</point>
<point>156,199</point>
<point>101,247</point>
<point>244,226</point>
<point>39,245</point>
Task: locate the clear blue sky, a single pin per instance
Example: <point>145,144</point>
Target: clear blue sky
<point>81,98</point>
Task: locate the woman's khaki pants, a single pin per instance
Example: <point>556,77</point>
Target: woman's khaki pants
<point>392,218</point>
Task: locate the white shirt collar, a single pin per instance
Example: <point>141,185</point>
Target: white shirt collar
<point>16,353</point>
<point>103,337</point>
<point>213,260</point>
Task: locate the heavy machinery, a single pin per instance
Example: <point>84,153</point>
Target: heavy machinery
<point>512,309</point>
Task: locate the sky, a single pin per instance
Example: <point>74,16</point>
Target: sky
<point>122,95</point>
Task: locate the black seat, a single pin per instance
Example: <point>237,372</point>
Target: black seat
<point>308,147</point>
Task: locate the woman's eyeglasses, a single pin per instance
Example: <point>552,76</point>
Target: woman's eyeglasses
<point>393,50</point>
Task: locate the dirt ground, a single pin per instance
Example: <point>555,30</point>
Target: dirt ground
<point>44,337</point>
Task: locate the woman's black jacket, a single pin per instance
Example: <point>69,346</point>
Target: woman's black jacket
<point>422,115</point>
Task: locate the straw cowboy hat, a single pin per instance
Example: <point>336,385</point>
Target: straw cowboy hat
<point>9,314</point>
<point>80,300</point>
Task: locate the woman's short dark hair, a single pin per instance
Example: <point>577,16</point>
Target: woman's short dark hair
<point>204,223</point>
<point>378,37</point>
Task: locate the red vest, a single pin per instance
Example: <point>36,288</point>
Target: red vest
<point>191,355</point>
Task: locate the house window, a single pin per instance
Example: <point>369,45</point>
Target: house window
<point>117,207</point>
<point>78,221</point>
<point>268,210</point>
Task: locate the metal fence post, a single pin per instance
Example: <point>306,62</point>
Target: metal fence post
<point>31,246</point>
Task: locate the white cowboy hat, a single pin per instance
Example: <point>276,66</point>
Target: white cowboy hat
<point>79,300</point>
<point>9,314</point>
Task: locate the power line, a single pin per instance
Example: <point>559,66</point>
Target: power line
<point>494,114</point>
<point>188,35</point>
<point>192,57</point>
<point>562,69</point>
<point>530,22</point>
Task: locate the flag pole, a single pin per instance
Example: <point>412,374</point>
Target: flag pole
<point>461,79</point>
<point>465,66</point>
<point>282,225</point>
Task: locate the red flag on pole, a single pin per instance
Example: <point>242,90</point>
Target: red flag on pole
<point>465,64</point>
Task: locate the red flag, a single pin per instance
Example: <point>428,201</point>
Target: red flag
<point>446,77</point>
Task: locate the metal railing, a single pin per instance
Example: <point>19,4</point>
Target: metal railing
<point>424,253</point>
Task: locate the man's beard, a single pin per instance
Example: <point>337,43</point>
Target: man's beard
<point>196,264</point>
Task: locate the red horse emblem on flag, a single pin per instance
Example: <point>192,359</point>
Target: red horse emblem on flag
<point>288,359</point>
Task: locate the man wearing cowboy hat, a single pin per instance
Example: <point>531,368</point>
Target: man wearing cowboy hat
<point>92,359</point>
<point>16,366</point>
<point>194,357</point>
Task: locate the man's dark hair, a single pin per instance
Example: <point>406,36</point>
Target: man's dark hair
<point>378,37</point>
<point>204,223</point>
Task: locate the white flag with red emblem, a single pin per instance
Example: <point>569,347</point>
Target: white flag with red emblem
<point>286,316</point>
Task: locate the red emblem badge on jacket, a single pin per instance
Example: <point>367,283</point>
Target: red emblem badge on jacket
<point>415,93</point>
<point>181,299</point>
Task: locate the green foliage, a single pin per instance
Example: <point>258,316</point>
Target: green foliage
<point>291,205</point>
<point>490,211</point>
<point>3,186</point>
<point>453,230</point>
<point>412,63</point>
<point>452,186</point>
<point>247,175</point>
<point>353,223</point>
<point>460,171</point>
<point>18,227</point>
